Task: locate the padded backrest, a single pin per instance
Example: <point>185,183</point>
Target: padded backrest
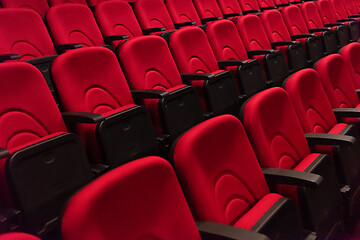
<point>39,6</point>
<point>339,8</point>
<point>93,3</point>
<point>57,2</point>
<point>148,64</point>
<point>326,11</point>
<point>337,81</point>
<point>351,8</point>
<point>274,129</point>
<point>225,40</point>
<point>311,15</point>
<point>274,26</point>
<point>27,109</point>
<point>192,51</point>
<point>73,23</point>
<point>229,6</point>
<point>252,32</point>
<point>17,236</point>
<point>139,200</point>
<point>207,8</point>
<point>266,3</point>
<point>294,20</point>
<point>117,18</point>
<point>310,101</point>
<point>248,5</point>
<point>23,32</point>
<point>153,14</point>
<point>351,55</point>
<point>281,2</point>
<point>90,80</point>
<point>182,11</point>
<point>218,170</point>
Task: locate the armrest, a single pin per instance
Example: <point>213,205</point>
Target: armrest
<point>82,117</point>
<point>252,53</point>
<point>354,16</point>
<point>297,36</point>
<point>282,43</point>
<point>267,8</point>
<point>152,30</point>
<point>63,47</point>
<point>333,24</point>
<point>228,63</point>
<point>99,169</point>
<point>212,230</point>
<point>291,177</point>
<point>206,20</point>
<point>6,57</point>
<point>148,93</point>
<point>231,15</point>
<point>358,93</point>
<point>196,76</point>
<point>4,153</point>
<point>9,219</point>
<point>329,139</point>
<point>346,20</point>
<point>115,38</point>
<point>313,30</point>
<point>250,11</point>
<point>184,24</point>
<point>347,112</point>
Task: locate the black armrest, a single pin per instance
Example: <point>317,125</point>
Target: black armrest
<point>218,231</point>
<point>152,30</point>
<point>4,153</point>
<point>184,24</point>
<point>347,112</point>
<point>63,47</point>
<point>282,43</point>
<point>252,53</point>
<point>313,30</point>
<point>196,76</point>
<point>291,177</point>
<point>329,139</point>
<point>346,20</point>
<point>6,57</point>
<point>250,11</point>
<point>333,24</point>
<point>231,15</point>
<point>210,19</point>
<point>358,93</point>
<point>267,8</point>
<point>232,62</point>
<point>148,93</point>
<point>82,117</point>
<point>354,16</point>
<point>297,36</point>
<point>99,169</point>
<point>112,38</point>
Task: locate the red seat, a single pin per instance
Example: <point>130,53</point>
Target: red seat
<point>17,236</point>
<point>182,11</point>
<point>57,2</point>
<point>229,8</point>
<point>249,6</point>
<point>208,10</point>
<point>196,61</point>
<point>90,81</point>
<point>350,54</point>
<point>223,181</point>
<point>279,142</point>
<point>266,4</point>
<point>39,6</point>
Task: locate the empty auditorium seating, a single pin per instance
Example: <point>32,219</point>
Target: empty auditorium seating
<point>208,10</point>
<point>182,11</point>
<point>255,40</point>
<point>350,54</point>
<point>41,163</point>
<point>279,142</point>
<point>38,6</point>
<point>314,24</point>
<point>97,99</point>
<point>223,181</point>
<point>57,2</point>
<point>298,30</point>
<point>17,236</point>
<point>152,72</point>
<point>196,61</point>
<point>140,200</point>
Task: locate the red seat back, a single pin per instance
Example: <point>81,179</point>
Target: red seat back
<point>229,6</point>
<point>351,54</point>
<point>17,236</point>
<point>207,8</point>
<point>57,2</point>
<point>294,20</point>
<point>339,8</point>
<point>311,15</point>
<point>274,26</point>
<point>266,3</point>
<point>39,6</point>
<point>326,11</point>
<point>182,11</point>
<point>249,5</point>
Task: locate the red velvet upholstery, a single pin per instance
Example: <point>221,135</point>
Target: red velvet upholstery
<point>23,32</point>
<point>73,23</point>
<point>231,191</point>
<point>266,3</point>
<point>39,6</point>
<point>93,3</point>
<point>351,8</point>
<point>326,11</point>
<point>229,6</point>
<point>145,71</point>
<point>153,14</point>
<point>249,5</point>
<point>281,2</point>
<point>139,200</point>
<point>274,26</point>
<point>294,20</point>
<point>91,80</point>
<point>207,8</point>
<point>17,236</point>
<point>337,82</point>
<point>311,15</point>
<point>117,18</point>
<point>351,54</point>
<point>182,11</point>
<point>339,8</point>
<point>57,2</point>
